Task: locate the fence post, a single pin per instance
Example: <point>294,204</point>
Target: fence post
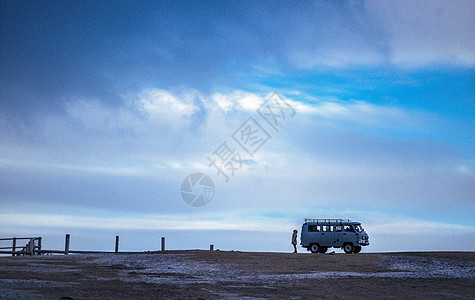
<point>66,245</point>
<point>163,243</point>
<point>32,246</point>
<point>14,246</point>
<point>116,244</point>
<point>211,247</point>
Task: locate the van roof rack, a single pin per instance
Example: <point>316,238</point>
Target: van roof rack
<point>327,220</point>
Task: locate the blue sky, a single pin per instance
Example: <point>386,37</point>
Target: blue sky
<point>105,107</point>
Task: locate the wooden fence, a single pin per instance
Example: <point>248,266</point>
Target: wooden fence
<point>33,246</point>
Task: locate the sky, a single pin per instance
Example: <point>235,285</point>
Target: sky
<point>106,107</point>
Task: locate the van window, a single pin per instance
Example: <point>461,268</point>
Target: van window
<point>338,228</point>
<point>359,228</point>
<point>327,228</point>
<point>313,228</point>
<point>348,228</point>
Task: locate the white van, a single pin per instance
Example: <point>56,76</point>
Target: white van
<point>318,235</point>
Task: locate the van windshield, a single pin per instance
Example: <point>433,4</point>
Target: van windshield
<point>359,228</point>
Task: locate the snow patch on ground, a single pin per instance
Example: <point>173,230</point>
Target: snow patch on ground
<point>423,267</point>
<point>178,269</point>
<point>168,268</point>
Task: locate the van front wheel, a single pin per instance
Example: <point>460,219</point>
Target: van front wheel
<point>348,248</point>
<point>314,248</point>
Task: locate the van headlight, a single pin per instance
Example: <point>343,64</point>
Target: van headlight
<point>363,241</point>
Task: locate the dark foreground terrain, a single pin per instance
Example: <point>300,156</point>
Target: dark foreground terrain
<point>239,275</point>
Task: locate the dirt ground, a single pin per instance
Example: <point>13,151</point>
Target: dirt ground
<point>239,275</point>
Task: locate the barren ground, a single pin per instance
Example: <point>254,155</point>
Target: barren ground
<point>239,275</point>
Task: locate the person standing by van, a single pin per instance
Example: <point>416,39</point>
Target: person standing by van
<point>294,240</point>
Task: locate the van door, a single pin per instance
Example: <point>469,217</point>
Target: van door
<point>347,235</point>
<point>340,235</point>
<point>313,235</point>
<point>328,236</point>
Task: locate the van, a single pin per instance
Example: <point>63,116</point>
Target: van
<point>318,235</point>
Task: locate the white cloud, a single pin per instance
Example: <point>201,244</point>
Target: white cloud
<point>223,102</point>
<point>305,159</point>
<point>337,57</point>
<point>465,169</point>
<point>411,226</point>
<point>426,32</point>
<point>93,115</point>
<point>157,222</point>
<point>360,112</point>
<point>407,34</point>
<point>57,167</point>
<point>374,222</point>
<point>237,100</point>
<point>163,107</point>
<point>357,110</point>
<point>141,111</point>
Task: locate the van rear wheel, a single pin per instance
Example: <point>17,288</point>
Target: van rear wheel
<point>314,248</point>
<point>357,249</point>
<point>348,248</point>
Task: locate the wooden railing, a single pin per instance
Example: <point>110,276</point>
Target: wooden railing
<point>33,246</point>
